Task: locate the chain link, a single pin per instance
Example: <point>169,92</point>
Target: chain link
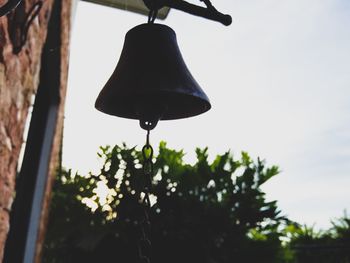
<point>144,245</point>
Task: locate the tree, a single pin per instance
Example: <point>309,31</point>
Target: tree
<point>206,212</point>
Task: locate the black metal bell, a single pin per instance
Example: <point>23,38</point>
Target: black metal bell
<point>151,81</point>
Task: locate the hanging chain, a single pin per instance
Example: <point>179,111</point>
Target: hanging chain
<point>144,246</point>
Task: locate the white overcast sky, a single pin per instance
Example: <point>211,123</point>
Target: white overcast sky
<point>278,79</point>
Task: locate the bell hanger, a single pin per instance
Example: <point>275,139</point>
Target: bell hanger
<point>151,81</point>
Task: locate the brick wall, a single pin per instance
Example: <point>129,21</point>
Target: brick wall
<point>19,76</point>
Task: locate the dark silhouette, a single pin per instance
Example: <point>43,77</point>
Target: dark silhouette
<point>203,213</point>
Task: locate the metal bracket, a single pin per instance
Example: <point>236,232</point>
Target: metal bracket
<point>9,6</point>
<point>24,27</point>
<point>19,22</point>
<point>210,12</point>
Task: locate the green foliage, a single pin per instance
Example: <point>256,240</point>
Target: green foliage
<point>210,212</point>
<point>206,212</point>
<point>341,229</point>
<point>310,246</point>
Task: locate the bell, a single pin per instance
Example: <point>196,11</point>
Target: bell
<point>151,81</point>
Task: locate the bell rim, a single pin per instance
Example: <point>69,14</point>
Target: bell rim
<point>202,105</point>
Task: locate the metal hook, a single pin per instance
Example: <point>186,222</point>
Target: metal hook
<point>9,6</point>
<point>209,12</point>
<point>32,14</point>
<point>152,16</point>
<point>153,6</point>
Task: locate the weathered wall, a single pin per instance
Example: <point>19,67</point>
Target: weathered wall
<point>19,76</point>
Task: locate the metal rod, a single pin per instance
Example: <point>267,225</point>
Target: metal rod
<point>209,12</point>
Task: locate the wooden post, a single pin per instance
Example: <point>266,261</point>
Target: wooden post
<point>65,29</point>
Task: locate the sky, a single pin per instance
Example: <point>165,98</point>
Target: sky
<point>278,80</point>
